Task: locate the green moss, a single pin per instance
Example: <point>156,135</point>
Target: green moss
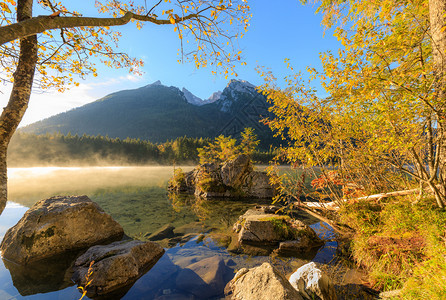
<point>282,227</point>
<point>285,218</point>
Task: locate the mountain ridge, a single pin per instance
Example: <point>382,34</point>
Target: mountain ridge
<point>158,113</point>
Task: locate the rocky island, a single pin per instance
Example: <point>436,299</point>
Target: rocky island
<point>234,178</point>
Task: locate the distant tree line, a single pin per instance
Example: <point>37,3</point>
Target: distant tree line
<point>27,150</point>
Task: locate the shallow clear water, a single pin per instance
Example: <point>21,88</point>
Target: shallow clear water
<point>136,197</point>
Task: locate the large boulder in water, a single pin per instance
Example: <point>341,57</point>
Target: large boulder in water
<point>231,179</point>
<point>58,225</point>
<point>233,172</point>
<point>259,186</point>
<point>260,283</point>
<point>115,266</point>
<point>261,232</point>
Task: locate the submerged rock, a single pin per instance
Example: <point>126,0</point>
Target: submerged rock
<point>58,225</point>
<point>163,233</point>
<point>260,233</point>
<point>204,278</point>
<point>312,283</point>
<point>160,277</point>
<point>116,265</point>
<point>232,179</point>
<point>260,283</point>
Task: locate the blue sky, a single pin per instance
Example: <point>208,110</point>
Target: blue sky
<point>279,29</point>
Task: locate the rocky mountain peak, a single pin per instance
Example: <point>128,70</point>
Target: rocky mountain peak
<point>158,82</point>
<point>153,84</point>
<point>214,97</point>
<point>191,98</point>
<point>234,91</point>
<point>240,85</point>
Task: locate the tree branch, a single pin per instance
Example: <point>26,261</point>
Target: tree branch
<point>40,24</point>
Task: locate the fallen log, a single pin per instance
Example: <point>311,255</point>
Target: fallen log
<point>331,223</point>
<point>335,206</point>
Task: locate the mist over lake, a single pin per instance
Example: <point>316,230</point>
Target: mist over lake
<point>137,198</point>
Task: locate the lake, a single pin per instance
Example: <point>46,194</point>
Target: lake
<point>137,198</point>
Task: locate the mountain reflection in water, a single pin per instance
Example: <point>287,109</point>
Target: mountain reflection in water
<point>136,197</point>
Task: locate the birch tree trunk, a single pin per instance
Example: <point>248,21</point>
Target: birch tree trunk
<point>21,91</point>
<point>437,10</point>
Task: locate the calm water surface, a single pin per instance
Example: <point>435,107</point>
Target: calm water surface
<point>136,197</point>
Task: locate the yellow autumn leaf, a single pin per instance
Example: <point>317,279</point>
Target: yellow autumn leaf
<point>5,7</point>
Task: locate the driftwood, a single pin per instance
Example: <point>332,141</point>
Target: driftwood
<point>336,227</point>
<point>312,207</point>
<point>334,205</point>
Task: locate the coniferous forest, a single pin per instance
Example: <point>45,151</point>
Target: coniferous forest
<point>27,150</point>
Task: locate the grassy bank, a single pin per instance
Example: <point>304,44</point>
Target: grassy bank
<point>401,244</point>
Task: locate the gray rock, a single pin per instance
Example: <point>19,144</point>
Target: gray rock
<point>259,228</point>
<point>273,233</point>
<point>164,232</point>
<point>300,244</point>
<point>181,239</point>
<point>58,225</point>
<point>209,167</point>
<point>312,283</point>
<point>189,181</point>
<point>116,265</point>
<point>232,179</point>
<point>204,278</point>
<point>260,283</point>
<point>234,171</point>
<point>260,186</point>
<point>270,209</point>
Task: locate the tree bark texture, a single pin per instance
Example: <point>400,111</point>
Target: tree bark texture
<point>21,91</point>
<point>437,10</point>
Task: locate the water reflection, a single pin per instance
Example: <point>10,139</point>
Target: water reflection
<point>136,197</point>
<point>42,277</point>
<point>50,278</point>
<point>28,185</point>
